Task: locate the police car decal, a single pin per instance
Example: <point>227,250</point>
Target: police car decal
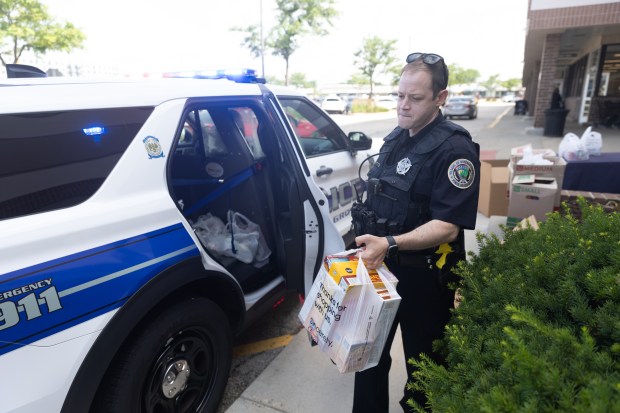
<point>461,173</point>
<point>153,147</point>
<point>41,300</point>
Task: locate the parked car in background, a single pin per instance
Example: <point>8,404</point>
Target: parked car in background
<point>386,102</point>
<point>333,104</point>
<point>509,98</point>
<point>461,106</point>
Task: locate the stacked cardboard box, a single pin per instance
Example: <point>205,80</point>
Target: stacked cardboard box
<point>533,186</point>
<point>531,195</point>
<point>493,197</point>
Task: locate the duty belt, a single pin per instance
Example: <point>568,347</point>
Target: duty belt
<point>429,258</point>
<point>415,260</point>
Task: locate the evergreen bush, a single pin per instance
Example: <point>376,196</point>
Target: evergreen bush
<point>538,327</point>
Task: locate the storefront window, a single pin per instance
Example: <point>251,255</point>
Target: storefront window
<point>610,73</point>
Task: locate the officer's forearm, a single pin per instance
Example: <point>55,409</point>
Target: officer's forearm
<point>429,235</point>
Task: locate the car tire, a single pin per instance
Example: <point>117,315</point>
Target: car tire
<point>185,351</point>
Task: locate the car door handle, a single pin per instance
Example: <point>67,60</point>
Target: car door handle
<point>324,171</point>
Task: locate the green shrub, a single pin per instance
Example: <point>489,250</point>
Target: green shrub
<point>365,106</point>
<point>538,327</point>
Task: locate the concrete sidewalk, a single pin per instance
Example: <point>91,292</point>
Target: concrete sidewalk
<point>302,380</point>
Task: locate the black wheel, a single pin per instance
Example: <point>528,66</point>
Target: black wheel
<point>178,363</point>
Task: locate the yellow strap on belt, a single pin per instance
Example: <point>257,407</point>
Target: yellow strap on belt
<point>444,249</point>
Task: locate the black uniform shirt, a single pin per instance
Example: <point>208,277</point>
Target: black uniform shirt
<point>448,200</point>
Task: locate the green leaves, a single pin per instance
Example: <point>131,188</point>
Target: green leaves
<point>538,329</point>
<point>26,25</point>
<point>375,56</point>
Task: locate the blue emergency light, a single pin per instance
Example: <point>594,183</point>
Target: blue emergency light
<point>236,75</point>
<point>94,131</point>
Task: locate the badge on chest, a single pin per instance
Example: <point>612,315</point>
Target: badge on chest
<point>403,166</point>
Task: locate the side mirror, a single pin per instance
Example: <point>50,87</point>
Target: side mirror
<point>359,141</point>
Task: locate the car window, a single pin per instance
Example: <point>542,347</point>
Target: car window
<point>55,160</point>
<point>244,121</point>
<point>315,133</point>
<point>247,126</point>
<point>212,141</point>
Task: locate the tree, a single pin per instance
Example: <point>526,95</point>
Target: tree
<point>491,85</point>
<point>252,40</point>
<point>462,76</point>
<point>358,79</point>
<point>511,84</point>
<point>299,80</point>
<point>27,25</point>
<point>272,80</point>
<point>295,18</point>
<point>375,56</point>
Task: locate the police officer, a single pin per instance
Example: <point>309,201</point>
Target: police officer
<point>422,194</point>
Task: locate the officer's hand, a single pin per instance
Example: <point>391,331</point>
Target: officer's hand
<point>374,253</point>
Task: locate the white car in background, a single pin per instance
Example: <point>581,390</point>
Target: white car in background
<point>333,104</point>
<point>386,102</point>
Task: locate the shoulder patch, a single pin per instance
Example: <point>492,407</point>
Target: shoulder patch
<point>461,173</point>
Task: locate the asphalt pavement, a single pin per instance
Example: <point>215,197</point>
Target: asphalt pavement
<point>301,379</point>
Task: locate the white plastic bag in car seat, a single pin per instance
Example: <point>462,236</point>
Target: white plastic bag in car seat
<point>240,238</point>
<point>248,234</point>
<point>219,239</point>
<point>211,231</point>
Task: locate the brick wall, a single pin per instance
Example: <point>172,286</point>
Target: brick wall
<point>531,89</point>
<point>561,19</point>
<point>567,17</point>
<point>551,51</point>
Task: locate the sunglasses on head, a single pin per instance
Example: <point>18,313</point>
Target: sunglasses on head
<point>428,58</point>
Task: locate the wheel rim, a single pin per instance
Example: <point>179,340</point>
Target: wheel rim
<point>182,376</point>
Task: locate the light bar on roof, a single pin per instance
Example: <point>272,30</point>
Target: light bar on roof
<point>237,75</point>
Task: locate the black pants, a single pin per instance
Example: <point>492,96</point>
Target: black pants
<point>423,313</point>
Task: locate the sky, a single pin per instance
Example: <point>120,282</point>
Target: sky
<point>151,36</point>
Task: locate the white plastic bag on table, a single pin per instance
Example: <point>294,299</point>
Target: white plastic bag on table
<point>251,237</point>
<point>572,148</point>
<point>593,141</point>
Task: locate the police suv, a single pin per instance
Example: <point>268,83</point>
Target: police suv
<point>144,222</point>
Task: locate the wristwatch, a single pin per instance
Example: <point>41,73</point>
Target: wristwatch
<point>392,250</point>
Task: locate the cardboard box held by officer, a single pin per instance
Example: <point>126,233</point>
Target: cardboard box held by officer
<point>349,311</point>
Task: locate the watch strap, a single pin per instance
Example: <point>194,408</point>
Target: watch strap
<point>392,247</point>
